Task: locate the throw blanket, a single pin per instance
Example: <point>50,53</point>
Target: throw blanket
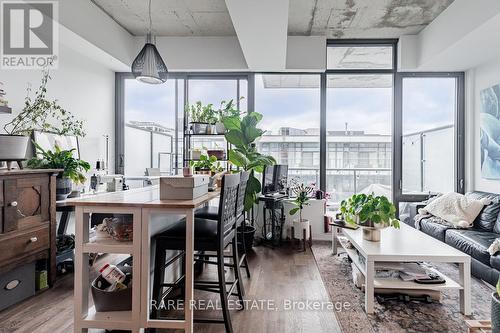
<point>455,208</point>
<point>495,247</point>
<point>431,218</point>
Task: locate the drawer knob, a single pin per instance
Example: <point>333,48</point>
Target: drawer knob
<point>13,203</point>
<point>33,239</point>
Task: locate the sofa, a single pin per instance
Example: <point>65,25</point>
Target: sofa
<point>474,241</point>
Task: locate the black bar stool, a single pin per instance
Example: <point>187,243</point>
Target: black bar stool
<point>209,235</point>
<point>212,213</point>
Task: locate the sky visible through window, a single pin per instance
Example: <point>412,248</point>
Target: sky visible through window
<point>364,109</point>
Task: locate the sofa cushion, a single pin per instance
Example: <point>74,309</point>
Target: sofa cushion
<point>495,261</point>
<point>488,217</point>
<point>435,230</point>
<point>473,242</point>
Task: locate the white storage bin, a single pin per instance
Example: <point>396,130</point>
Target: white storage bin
<point>183,188</point>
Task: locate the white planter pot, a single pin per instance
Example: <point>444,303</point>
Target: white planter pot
<point>298,228</point>
<point>220,128</point>
<point>211,129</point>
<point>13,147</point>
<point>199,128</point>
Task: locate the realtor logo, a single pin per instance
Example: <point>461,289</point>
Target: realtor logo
<point>29,36</point>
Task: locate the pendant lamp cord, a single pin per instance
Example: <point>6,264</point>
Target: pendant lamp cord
<point>150,20</point>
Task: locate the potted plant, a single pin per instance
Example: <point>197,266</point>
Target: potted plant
<point>370,212</point>
<point>202,118</point>
<point>302,193</point>
<point>204,165</point>
<point>227,109</point>
<point>242,132</point>
<point>495,310</point>
<point>61,159</point>
<point>38,114</point>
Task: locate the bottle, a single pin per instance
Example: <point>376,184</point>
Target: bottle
<point>112,274</point>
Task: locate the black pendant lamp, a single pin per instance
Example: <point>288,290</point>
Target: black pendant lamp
<point>148,66</point>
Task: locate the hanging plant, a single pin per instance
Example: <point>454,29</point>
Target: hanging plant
<point>42,114</point>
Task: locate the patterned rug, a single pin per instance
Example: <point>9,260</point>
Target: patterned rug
<point>395,316</point>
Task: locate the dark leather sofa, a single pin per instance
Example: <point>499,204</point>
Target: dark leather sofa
<point>474,241</point>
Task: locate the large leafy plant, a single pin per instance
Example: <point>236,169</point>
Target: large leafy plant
<point>60,159</point>
<point>362,209</point>
<point>44,115</point>
<point>302,193</point>
<point>242,132</point>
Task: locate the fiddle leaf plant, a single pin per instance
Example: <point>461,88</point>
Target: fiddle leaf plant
<point>74,168</point>
<point>362,209</point>
<point>241,134</point>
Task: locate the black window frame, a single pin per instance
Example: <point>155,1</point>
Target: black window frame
<point>368,71</point>
<point>459,125</point>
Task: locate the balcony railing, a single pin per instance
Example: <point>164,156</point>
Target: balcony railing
<point>344,182</point>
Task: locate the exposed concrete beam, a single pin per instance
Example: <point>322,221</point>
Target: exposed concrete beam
<point>261,27</point>
<point>199,53</point>
<point>88,30</point>
<point>462,37</point>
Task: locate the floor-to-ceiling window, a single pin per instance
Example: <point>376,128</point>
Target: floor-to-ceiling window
<point>360,127</point>
<point>359,108</point>
<point>151,126</point>
<point>290,104</point>
<point>429,135</point>
<point>215,89</point>
<point>150,113</point>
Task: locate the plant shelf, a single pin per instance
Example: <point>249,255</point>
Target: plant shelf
<point>194,134</point>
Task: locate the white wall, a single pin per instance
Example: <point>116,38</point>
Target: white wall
<point>83,87</point>
<point>314,212</point>
<point>481,77</point>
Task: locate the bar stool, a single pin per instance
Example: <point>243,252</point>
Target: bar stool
<point>212,213</point>
<point>209,235</point>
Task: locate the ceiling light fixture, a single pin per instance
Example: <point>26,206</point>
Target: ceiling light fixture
<point>148,66</point>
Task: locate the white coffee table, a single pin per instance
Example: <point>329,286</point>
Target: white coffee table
<point>405,245</point>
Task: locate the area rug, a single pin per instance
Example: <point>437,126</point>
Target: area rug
<point>395,316</point>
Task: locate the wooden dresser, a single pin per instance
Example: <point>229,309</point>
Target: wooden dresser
<point>28,219</point>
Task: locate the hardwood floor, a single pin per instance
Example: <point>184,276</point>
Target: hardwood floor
<point>278,276</point>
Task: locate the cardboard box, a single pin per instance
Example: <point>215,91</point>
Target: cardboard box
<point>183,188</point>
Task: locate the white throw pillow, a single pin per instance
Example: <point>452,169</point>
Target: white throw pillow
<point>455,208</point>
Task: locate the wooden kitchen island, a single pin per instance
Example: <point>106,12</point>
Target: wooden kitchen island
<point>141,204</point>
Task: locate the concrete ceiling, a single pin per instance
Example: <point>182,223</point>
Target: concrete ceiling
<point>362,18</point>
<point>171,17</point>
<point>330,18</point>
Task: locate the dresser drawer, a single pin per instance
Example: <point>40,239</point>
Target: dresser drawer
<point>15,245</point>
<point>26,202</point>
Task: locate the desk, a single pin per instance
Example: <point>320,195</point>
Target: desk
<point>141,204</point>
<point>273,203</point>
